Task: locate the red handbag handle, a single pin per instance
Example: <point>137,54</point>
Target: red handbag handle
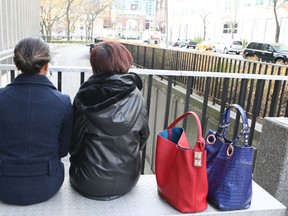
<point>199,134</point>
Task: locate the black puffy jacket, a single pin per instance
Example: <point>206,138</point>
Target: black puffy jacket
<point>110,129</point>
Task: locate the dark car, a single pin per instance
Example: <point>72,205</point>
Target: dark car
<point>269,52</point>
<point>192,44</point>
<point>179,44</point>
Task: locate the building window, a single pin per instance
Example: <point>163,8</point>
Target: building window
<point>247,3</point>
<point>229,28</point>
<point>259,2</point>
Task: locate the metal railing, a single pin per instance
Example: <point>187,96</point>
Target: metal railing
<point>274,96</point>
<point>207,78</point>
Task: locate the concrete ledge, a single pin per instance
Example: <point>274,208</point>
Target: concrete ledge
<point>271,168</point>
<point>142,200</point>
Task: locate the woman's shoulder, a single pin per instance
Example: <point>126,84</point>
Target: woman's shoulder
<point>64,98</point>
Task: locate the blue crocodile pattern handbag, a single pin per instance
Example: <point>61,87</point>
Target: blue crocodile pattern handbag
<point>229,165</point>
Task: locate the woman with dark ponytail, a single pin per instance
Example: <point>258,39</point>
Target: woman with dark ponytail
<point>35,130</point>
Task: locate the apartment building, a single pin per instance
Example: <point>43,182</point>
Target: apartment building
<point>222,19</point>
<point>132,17</point>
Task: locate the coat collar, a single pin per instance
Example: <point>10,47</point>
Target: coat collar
<point>32,79</point>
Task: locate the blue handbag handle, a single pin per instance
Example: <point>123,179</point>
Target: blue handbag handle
<point>225,121</point>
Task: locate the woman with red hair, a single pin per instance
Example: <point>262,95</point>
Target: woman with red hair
<point>110,126</point>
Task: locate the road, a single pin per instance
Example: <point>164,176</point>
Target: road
<point>78,55</point>
<point>229,55</point>
<point>69,55</point>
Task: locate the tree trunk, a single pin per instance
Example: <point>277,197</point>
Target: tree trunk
<point>277,33</point>
<point>68,20</point>
<point>204,34</point>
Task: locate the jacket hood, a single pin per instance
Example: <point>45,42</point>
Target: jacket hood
<point>111,102</point>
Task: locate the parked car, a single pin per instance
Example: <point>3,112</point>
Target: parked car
<point>228,46</point>
<point>269,52</point>
<point>205,45</point>
<point>191,43</point>
<point>179,44</point>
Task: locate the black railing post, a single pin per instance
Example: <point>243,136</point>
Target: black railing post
<point>12,75</point>
<point>223,97</point>
<point>256,107</point>
<point>144,57</point>
<point>137,56</point>
<point>241,101</point>
<point>82,77</point>
<point>176,66</point>
<point>148,102</point>
<point>168,101</point>
<point>205,105</point>
<point>187,99</point>
<point>283,97</point>
<point>216,82</point>
<point>59,80</point>
<point>163,59</point>
<point>275,97</point>
<point>152,58</point>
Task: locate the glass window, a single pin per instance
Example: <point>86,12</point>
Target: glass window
<point>247,3</point>
<point>230,28</point>
<point>237,43</point>
<point>259,46</point>
<point>280,47</point>
<point>266,47</point>
<point>259,2</point>
<point>252,45</point>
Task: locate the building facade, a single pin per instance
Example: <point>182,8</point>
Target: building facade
<point>246,20</point>
<point>132,17</point>
<point>18,19</point>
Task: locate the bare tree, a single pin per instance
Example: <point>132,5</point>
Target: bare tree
<point>51,12</point>
<point>68,17</point>
<point>204,14</point>
<point>276,6</point>
<point>72,13</point>
<point>92,9</point>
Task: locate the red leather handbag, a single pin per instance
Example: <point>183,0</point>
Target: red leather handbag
<point>180,170</point>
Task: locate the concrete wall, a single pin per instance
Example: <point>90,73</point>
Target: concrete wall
<point>18,19</point>
<point>271,169</point>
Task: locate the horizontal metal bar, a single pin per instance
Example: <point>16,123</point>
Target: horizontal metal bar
<point>165,72</point>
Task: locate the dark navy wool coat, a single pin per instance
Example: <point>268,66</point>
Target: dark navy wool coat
<point>35,133</point>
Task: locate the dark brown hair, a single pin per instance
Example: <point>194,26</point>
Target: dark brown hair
<point>31,54</point>
<point>110,57</point>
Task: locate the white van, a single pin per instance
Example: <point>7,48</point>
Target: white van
<point>228,46</point>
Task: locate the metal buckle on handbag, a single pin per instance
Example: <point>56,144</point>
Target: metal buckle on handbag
<point>211,139</point>
<point>223,125</point>
<point>230,150</point>
<point>198,159</point>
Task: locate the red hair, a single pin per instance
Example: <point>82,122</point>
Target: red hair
<point>110,56</point>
